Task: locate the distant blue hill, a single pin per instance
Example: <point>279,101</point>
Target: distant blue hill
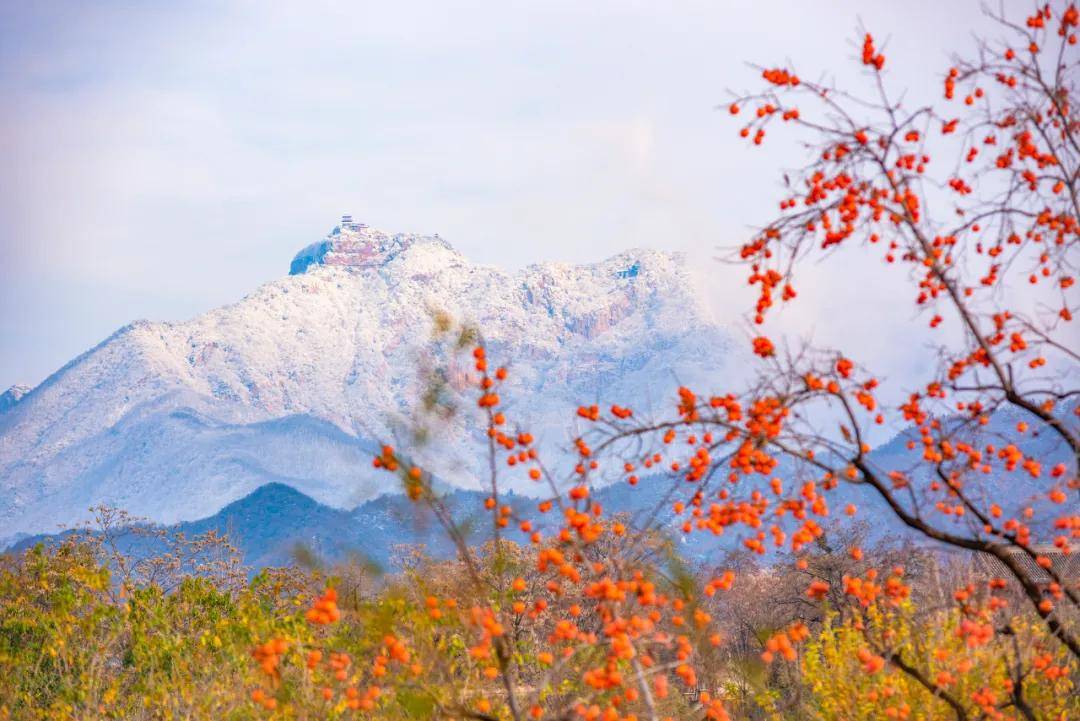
<point>277,525</point>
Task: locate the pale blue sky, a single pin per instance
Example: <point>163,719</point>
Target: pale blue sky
<point>164,158</point>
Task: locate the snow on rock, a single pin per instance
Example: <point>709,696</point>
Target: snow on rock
<point>12,395</point>
<point>355,245</point>
<point>296,382</point>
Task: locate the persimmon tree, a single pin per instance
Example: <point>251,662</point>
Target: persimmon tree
<point>974,201</point>
<point>587,624</point>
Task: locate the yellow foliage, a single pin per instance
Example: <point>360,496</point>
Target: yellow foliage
<point>933,646</point>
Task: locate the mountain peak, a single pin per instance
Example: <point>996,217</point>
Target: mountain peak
<point>352,244</point>
<point>12,395</point>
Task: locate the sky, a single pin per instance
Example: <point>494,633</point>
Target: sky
<point>161,159</point>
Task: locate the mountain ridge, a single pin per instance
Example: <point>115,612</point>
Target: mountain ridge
<point>340,342</point>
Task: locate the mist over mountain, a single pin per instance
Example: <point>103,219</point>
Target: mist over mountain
<point>277,525</point>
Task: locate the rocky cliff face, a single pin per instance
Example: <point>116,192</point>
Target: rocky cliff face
<point>355,245</point>
<point>297,382</point>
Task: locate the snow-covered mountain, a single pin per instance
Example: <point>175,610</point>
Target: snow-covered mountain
<point>295,383</point>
